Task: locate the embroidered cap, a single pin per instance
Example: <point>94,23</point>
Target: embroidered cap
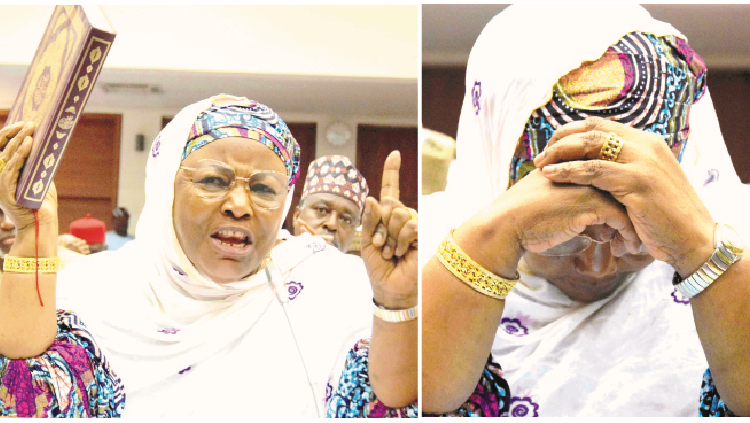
<point>336,175</point>
<point>231,116</point>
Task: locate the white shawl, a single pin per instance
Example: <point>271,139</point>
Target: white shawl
<point>635,352</point>
<point>186,346</point>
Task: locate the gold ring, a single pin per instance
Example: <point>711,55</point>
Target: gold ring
<point>611,148</point>
<point>3,163</point>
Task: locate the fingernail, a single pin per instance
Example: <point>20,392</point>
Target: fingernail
<point>541,155</point>
<point>551,168</point>
<point>387,250</point>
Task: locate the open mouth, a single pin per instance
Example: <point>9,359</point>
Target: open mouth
<point>232,241</point>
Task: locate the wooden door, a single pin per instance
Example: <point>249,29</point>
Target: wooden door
<point>374,143</point>
<point>88,176</point>
<point>442,96</point>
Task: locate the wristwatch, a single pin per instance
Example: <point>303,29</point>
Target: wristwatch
<point>395,316</point>
<point>728,249</point>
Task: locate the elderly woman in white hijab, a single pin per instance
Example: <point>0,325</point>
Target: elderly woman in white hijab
<point>561,266</point>
<point>202,314</point>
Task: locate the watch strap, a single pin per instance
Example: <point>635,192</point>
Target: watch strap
<point>725,254</point>
<point>395,316</point>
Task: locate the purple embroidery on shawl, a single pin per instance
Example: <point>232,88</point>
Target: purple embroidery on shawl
<point>155,147</point>
<point>514,327</point>
<point>185,370</point>
<point>317,246</point>
<point>679,297</point>
<point>294,288</point>
<point>476,94</point>
<point>523,406</point>
<point>170,331</point>
<point>178,270</point>
<point>329,392</point>
<point>713,176</point>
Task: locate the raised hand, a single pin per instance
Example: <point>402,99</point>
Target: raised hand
<point>389,242</point>
<point>26,327</point>
<point>389,250</point>
<point>15,146</point>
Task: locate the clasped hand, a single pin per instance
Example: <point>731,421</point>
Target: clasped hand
<point>646,179</point>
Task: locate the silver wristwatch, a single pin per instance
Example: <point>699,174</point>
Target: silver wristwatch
<point>395,316</point>
<point>728,249</point>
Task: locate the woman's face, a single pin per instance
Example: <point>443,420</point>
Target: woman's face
<point>227,238</point>
<point>588,276</point>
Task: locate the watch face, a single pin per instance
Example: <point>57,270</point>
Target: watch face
<point>731,239</point>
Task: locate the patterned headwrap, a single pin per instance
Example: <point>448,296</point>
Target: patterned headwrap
<point>336,175</point>
<point>643,81</point>
<point>231,116</point>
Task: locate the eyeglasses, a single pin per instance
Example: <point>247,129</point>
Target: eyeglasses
<point>214,180</point>
<point>578,244</point>
<point>572,246</point>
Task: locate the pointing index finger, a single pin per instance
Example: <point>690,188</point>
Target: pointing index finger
<point>389,187</point>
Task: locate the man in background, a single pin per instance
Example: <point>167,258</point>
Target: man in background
<point>332,201</point>
<point>118,237</point>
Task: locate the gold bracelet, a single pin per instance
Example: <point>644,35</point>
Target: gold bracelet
<point>471,272</point>
<point>28,264</point>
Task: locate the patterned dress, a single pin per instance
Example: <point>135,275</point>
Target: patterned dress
<point>71,379</point>
<point>711,404</point>
<point>354,396</point>
<point>491,397</point>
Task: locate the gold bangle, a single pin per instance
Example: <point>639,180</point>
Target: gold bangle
<point>471,272</point>
<point>28,264</point>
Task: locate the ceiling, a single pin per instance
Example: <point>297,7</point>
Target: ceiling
<point>319,60</point>
<point>719,33</point>
<point>287,94</point>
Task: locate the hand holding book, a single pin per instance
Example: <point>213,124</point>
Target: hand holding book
<point>16,143</point>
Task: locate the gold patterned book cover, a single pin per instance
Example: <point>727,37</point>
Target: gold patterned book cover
<point>55,90</point>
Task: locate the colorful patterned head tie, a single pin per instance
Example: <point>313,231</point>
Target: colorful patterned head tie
<point>336,175</point>
<point>643,81</point>
<point>231,116</point>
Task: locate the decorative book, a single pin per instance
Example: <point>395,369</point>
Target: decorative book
<point>55,90</point>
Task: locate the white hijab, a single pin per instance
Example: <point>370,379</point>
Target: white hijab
<point>636,352</point>
<point>170,331</point>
